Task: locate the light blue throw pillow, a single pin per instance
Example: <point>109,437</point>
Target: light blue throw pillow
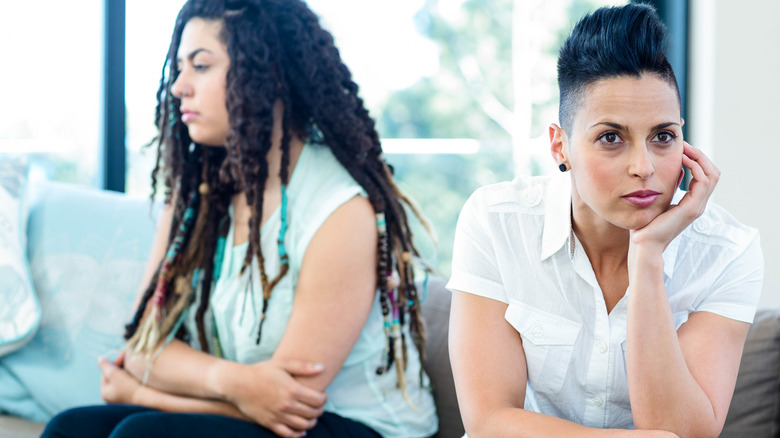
<point>19,310</point>
<point>87,250</point>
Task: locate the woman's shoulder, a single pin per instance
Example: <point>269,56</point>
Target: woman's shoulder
<point>527,193</point>
<point>320,185</point>
<point>718,227</point>
<point>319,173</point>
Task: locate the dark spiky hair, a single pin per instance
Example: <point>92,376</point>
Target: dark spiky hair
<point>611,42</point>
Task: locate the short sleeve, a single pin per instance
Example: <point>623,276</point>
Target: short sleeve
<point>474,265</point>
<point>319,187</point>
<point>735,293</point>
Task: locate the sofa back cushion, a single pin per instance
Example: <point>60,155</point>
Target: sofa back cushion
<point>754,407</point>
<point>87,251</point>
<point>436,311</point>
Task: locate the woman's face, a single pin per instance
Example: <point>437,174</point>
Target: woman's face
<point>203,62</point>
<point>625,151</point>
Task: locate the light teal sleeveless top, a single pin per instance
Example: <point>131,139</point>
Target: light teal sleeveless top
<point>318,186</point>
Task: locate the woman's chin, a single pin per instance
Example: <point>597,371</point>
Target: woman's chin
<point>639,220</point>
<point>210,142</point>
<point>206,139</point>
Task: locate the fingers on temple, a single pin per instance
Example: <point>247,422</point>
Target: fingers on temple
<point>702,160</point>
<point>696,170</point>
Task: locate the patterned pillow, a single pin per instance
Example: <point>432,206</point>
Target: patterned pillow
<point>87,250</point>
<point>19,309</point>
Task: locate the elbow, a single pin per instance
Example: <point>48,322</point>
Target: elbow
<point>489,423</point>
<point>701,433</point>
<point>476,423</point>
<point>711,429</point>
<point>689,428</point>
<point>479,430</point>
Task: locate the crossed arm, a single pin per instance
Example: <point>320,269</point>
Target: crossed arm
<point>285,393</point>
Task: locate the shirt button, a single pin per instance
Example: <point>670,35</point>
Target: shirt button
<point>533,198</point>
<point>597,401</point>
<point>537,331</point>
<point>701,225</point>
<point>602,347</point>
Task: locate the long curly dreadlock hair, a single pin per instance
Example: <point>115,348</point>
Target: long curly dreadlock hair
<point>278,51</point>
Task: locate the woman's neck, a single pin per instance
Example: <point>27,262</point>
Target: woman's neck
<point>272,191</point>
<point>274,160</point>
<point>274,156</point>
<point>605,244</point>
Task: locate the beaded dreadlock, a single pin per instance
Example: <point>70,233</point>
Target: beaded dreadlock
<point>278,51</point>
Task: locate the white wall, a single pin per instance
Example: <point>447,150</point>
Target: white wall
<point>734,111</point>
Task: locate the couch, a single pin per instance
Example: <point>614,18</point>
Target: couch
<point>86,250</point>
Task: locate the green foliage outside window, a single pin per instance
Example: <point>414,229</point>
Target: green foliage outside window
<point>497,84</point>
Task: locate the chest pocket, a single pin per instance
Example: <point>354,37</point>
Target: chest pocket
<point>548,342</point>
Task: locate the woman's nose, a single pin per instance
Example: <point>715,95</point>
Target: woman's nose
<point>180,87</point>
<point>640,163</point>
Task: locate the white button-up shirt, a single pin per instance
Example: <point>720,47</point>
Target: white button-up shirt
<point>514,243</point>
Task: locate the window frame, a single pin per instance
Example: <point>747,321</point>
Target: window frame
<point>113,164</point>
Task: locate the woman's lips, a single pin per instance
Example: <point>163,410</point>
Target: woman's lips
<point>642,198</point>
<point>186,116</point>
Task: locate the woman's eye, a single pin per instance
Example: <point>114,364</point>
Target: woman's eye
<point>610,138</point>
<point>664,137</point>
<point>200,67</point>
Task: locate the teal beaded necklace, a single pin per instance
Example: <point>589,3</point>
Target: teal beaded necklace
<point>219,255</point>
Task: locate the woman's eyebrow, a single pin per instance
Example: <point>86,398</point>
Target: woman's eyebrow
<point>611,125</point>
<point>625,128</point>
<point>664,125</point>
<point>193,54</point>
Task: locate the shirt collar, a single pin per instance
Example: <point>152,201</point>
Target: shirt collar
<point>557,215</point>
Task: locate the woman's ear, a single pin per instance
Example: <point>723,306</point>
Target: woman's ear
<point>558,142</point>
<point>682,175</point>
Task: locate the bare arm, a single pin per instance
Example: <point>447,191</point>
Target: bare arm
<point>118,386</point>
<point>678,380</point>
<point>337,280</point>
<point>490,377</point>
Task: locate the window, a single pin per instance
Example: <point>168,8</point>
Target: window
<point>149,27</point>
<point>50,86</point>
<point>462,90</point>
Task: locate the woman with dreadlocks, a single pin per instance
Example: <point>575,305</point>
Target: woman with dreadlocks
<point>280,298</point>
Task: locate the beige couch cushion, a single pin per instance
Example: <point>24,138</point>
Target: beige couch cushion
<point>754,408</point>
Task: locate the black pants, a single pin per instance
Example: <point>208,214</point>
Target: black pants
<point>128,421</point>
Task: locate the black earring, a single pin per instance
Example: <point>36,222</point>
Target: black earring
<point>562,167</point>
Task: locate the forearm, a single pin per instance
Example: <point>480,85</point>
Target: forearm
<point>521,423</point>
<point>156,399</point>
<point>180,369</point>
<point>663,392</point>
